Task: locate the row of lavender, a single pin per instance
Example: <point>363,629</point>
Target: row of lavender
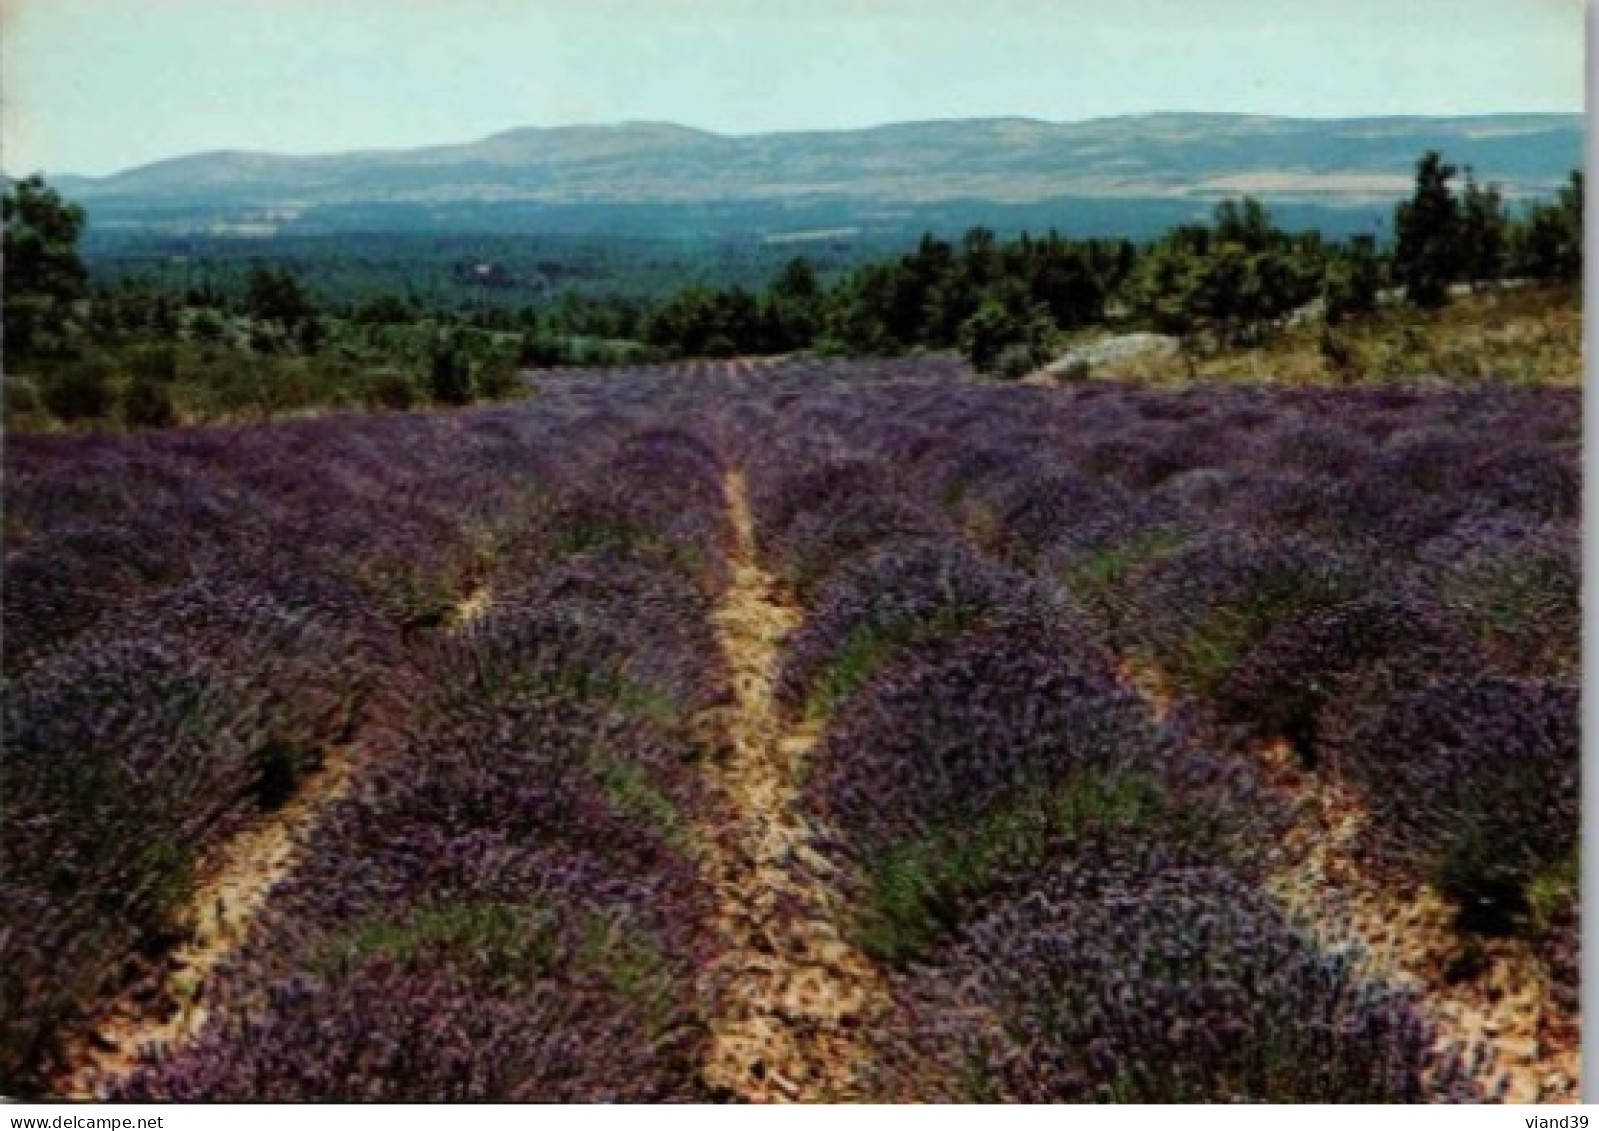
<point>508,907</point>
<point>1059,877</point>
<point>1387,580</point>
<point>194,621</point>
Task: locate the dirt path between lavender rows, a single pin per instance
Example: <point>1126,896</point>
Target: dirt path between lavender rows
<point>220,911</point>
<point>794,996</point>
<point>1490,998</point>
<point>234,888</point>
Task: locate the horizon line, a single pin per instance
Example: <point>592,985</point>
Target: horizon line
<point>659,123</point>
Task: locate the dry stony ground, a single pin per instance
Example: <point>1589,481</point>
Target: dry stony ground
<point>795,993</point>
<point>1527,335</point>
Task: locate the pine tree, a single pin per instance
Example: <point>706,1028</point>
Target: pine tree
<point>1482,232</point>
<point>1427,255</point>
<point>449,378</point>
<point>44,275</point>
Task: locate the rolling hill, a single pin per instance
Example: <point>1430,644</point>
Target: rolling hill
<point>1110,174</point>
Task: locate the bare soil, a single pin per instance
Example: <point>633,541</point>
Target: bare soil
<point>793,994</point>
<point>1485,995</point>
<point>237,880</point>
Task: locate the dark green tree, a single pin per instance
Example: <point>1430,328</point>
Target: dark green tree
<point>208,328</point>
<point>1061,277</point>
<point>794,306</point>
<point>386,309</point>
<point>450,377</point>
<point>44,274</point>
<point>79,390</point>
<point>1548,241</point>
<point>1245,223</point>
<point>147,402</point>
<point>496,377</point>
<point>1482,232</point>
<point>1008,338</point>
<point>275,295</point>
<point>156,364</point>
<point>310,335</point>
<point>1427,252</point>
<point>1352,280</point>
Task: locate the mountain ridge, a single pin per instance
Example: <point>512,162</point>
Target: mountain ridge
<point>1186,117</point>
<point>938,163</point>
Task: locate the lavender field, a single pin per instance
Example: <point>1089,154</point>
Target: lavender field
<point>802,730</point>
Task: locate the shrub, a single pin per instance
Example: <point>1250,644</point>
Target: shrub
<point>987,738</point>
<point>497,379</point>
<point>79,390</point>
<point>1201,609</point>
<point>894,600</point>
<point>1039,505</point>
<point>120,766</point>
<point>450,378</point>
<point>1543,480</point>
<point>1102,565</point>
<point>998,340</point>
<point>1521,599</point>
<point>147,403</point>
<point>1018,360</point>
<point>21,398</point>
<point>1135,973</point>
<point>1472,783</point>
<point>820,541</point>
<point>1280,686</point>
<point>156,364</point>
<point>479,923</point>
<point>392,388</point>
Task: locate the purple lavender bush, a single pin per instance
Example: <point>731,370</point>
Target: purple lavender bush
<point>1134,972</point>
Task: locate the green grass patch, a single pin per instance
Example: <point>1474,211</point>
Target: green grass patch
<point>1104,569</point>
<point>588,537</point>
<point>1097,581</point>
<point>586,680</point>
<point>506,948</point>
<point>645,701</point>
<point>1199,659</point>
<point>628,788</point>
<point>413,597</point>
<point>915,889</point>
<point>1550,890</point>
<point>511,945</point>
<point>1524,609</point>
<point>868,647</point>
<point>633,966</point>
<point>1202,657</point>
<point>583,537</point>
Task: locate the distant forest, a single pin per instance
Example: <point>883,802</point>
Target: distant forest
<point>214,331</point>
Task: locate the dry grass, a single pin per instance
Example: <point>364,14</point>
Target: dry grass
<point>1525,336</point>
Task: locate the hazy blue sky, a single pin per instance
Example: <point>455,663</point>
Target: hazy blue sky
<point>92,86</point>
